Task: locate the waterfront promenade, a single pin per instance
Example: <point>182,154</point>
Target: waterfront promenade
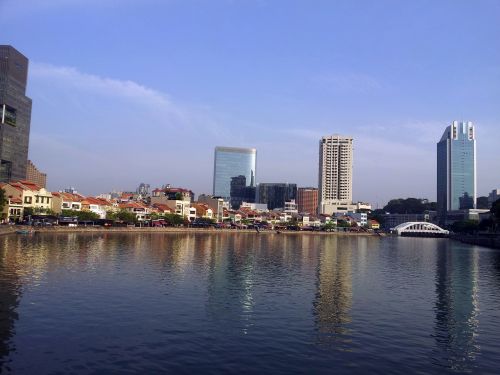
<point>4,230</point>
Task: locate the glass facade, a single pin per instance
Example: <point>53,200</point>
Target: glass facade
<point>241,192</point>
<point>15,114</point>
<point>456,168</point>
<point>232,162</point>
<point>276,194</point>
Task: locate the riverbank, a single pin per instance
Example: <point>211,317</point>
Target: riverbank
<point>491,240</point>
<point>5,230</point>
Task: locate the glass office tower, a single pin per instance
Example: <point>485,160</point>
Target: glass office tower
<point>15,114</point>
<point>456,168</point>
<point>232,162</point>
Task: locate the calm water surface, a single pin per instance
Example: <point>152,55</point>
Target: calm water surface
<point>247,303</point>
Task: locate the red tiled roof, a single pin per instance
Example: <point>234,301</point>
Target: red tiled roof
<point>131,205</point>
<point>92,200</point>
<point>162,207</point>
<point>17,186</point>
<point>29,185</point>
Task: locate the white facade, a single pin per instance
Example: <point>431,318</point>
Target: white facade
<point>335,173</point>
<point>361,218</point>
<point>255,206</point>
<point>291,207</point>
<point>98,209</point>
<point>192,214</point>
<point>332,207</point>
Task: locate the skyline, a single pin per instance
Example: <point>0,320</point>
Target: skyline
<point>224,73</point>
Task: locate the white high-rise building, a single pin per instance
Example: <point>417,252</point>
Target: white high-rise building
<point>335,174</point>
<point>456,168</point>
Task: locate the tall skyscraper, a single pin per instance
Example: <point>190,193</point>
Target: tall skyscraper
<point>232,162</point>
<point>335,172</point>
<point>15,114</point>
<point>456,168</point>
<point>307,200</point>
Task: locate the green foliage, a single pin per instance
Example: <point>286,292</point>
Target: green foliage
<point>377,215</point>
<point>28,211</point>
<point>174,219</point>
<point>3,199</point>
<point>154,216</point>
<point>408,206</point>
<point>486,224</point>
<point>81,215</point>
<point>122,215</point>
<point>495,210</point>
<point>465,226</point>
<point>343,224</point>
<point>330,225</point>
<point>43,211</point>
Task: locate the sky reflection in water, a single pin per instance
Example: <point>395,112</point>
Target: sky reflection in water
<point>247,303</point>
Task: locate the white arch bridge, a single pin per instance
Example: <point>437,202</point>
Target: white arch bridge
<point>419,229</point>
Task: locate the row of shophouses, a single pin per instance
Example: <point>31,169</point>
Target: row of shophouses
<point>21,195</point>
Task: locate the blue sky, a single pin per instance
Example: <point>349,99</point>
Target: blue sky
<point>137,91</point>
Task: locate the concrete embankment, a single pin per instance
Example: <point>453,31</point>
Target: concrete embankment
<point>7,229</point>
<point>56,230</point>
<point>485,239</point>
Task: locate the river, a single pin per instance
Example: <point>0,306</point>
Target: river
<point>247,303</point>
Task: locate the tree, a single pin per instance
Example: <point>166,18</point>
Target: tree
<point>81,215</point>
<point>28,211</point>
<point>465,226</point>
<point>122,215</point>
<point>343,223</point>
<point>377,215</point>
<point>329,226</point>
<point>486,224</point>
<point>126,216</point>
<point>3,201</point>
<point>43,211</point>
<point>154,216</point>
<point>495,211</point>
<point>409,206</point>
<point>174,219</point>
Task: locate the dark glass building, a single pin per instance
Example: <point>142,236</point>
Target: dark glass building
<point>456,168</point>
<point>276,194</point>
<point>240,192</point>
<point>15,114</point>
<point>232,162</point>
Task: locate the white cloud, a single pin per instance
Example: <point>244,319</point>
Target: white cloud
<point>108,86</point>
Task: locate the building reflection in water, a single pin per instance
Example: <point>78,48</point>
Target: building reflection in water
<point>456,308</point>
<point>333,300</point>
<point>231,280</point>
<point>10,295</point>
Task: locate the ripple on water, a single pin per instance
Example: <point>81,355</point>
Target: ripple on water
<point>245,303</point>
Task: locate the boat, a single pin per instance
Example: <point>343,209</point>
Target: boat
<point>25,231</point>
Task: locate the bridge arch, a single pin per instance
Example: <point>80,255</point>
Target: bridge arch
<point>419,228</point>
